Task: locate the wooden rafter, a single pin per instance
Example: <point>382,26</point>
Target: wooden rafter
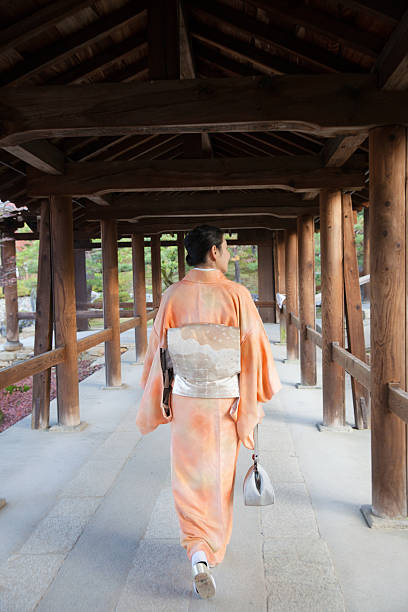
<point>48,56</point>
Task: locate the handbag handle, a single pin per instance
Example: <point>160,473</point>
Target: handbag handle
<point>255,455</point>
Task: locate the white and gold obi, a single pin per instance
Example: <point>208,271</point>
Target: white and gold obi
<point>206,359</point>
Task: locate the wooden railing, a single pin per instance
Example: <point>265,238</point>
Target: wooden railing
<point>40,363</point>
<point>360,371</point>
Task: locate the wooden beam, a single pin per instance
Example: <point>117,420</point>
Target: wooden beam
<point>111,302</point>
<point>392,64</point>
<point>297,173</point>
<point>327,104</point>
<point>332,308</point>
<point>41,155</point>
<point>137,206</point>
<point>357,368</point>
<point>388,176</point>
<point>81,289</point>
<point>15,373</point>
<point>62,255</point>
<point>43,323</point>
<point>158,226</point>
<point>162,30</point>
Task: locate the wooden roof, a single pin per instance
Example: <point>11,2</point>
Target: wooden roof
<point>74,42</point>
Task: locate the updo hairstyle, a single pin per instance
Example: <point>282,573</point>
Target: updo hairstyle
<point>199,241</point>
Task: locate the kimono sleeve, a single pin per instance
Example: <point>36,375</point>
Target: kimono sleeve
<point>150,413</point>
<point>258,380</point>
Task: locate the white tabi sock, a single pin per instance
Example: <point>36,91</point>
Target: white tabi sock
<point>199,557</point>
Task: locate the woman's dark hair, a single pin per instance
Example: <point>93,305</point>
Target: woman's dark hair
<point>199,241</point>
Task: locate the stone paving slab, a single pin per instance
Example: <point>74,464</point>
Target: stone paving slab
<point>24,578</point>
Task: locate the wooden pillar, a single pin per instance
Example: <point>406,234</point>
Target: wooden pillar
<point>388,176</point>
<point>62,254</point>
<point>366,246</point>
<point>291,282</point>
<point>306,257</point>
<point>43,323</point>
<point>109,243</point>
<point>331,246</point>
<point>139,295</point>
<point>81,290</point>
<point>281,284</point>
<point>10,293</point>
<point>156,270</point>
<point>181,255</point>
<point>353,312</point>
<point>265,281</point>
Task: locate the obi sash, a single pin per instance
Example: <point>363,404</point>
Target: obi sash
<point>206,359</point>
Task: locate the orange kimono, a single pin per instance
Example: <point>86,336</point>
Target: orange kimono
<point>224,369</point>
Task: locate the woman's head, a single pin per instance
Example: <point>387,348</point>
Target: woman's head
<point>206,245</point>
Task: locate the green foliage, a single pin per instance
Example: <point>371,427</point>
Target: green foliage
<point>16,388</point>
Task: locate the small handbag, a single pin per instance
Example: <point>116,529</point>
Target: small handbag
<point>258,489</point>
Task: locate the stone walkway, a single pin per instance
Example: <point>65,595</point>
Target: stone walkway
<point>90,525</point>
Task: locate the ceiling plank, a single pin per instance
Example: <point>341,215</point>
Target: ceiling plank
<point>154,226</point>
<point>48,56</point>
<point>297,173</point>
<point>39,21</point>
<point>322,104</point>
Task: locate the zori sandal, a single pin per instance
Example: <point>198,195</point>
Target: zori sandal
<point>203,581</point>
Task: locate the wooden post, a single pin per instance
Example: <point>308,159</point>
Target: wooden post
<point>139,296</point>
<point>181,256</point>
<point>388,175</point>
<point>354,312</point>
<point>291,282</point>
<point>43,323</point>
<point>306,257</point>
<point>265,281</point>
<point>280,249</point>
<point>109,242</point>
<point>331,245</point>
<point>156,270</point>
<point>366,246</point>
<point>81,290</point>
<point>10,293</point>
<point>62,254</point>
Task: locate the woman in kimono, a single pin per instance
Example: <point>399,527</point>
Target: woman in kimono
<point>209,335</point>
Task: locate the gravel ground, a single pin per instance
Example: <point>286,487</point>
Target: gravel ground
<point>17,405</point>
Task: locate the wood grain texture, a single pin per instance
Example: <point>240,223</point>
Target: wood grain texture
<point>291,283</point>
<point>266,281</point>
<point>8,249</point>
<point>354,311</point>
<point>306,257</point>
<point>314,336</point>
<point>357,368</point>
<point>156,270</point>
<point>325,104</point>
<point>388,171</point>
<point>43,323</point>
<point>111,302</point>
<point>331,245</point>
<point>104,335</point>
<point>297,174</point>
<point>181,255</point>
<point>35,365</point>
<point>139,292</point>
<point>81,290</point>
<point>62,255</point>
<point>398,401</point>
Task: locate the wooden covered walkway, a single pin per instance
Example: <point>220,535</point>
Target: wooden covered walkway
<point>134,119</point>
